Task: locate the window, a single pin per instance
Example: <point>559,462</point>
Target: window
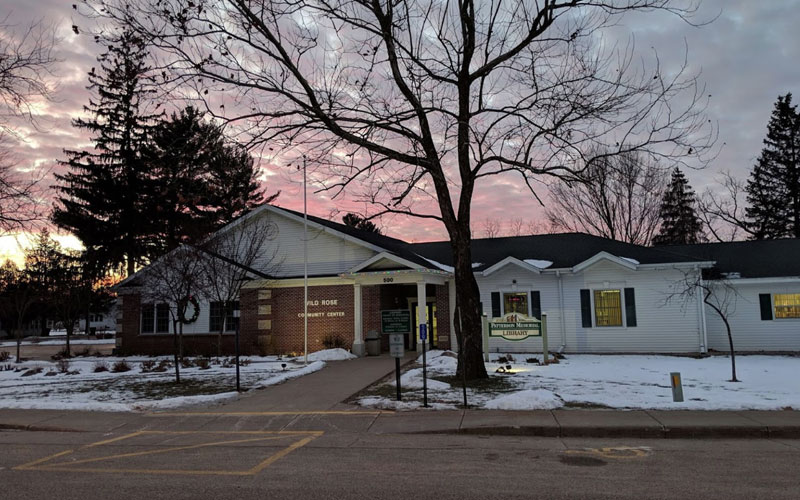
<point>787,305</point>
<point>608,308</point>
<point>215,316</point>
<point>148,318</point>
<point>515,302</point>
<point>155,318</point>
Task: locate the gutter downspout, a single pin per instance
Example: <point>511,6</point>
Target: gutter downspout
<point>562,316</point>
<point>702,306</point>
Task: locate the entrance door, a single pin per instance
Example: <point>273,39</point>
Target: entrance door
<point>433,334</point>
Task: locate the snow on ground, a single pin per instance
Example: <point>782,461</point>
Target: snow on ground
<point>83,389</point>
<point>614,381</point>
<point>72,342</point>
<point>331,355</point>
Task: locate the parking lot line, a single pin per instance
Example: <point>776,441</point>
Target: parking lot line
<point>46,464</point>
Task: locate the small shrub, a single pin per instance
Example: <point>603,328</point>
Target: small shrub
<point>100,366</point>
<point>6,368</point>
<point>502,360</point>
<point>534,361</point>
<point>203,363</point>
<point>333,342</point>
<point>86,351</point>
<point>50,373</point>
<point>5,356</point>
<point>187,363</point>
<point>163,366</point>
<point>121,366</point>
<point>62,365</point>
<point>509,358</point>
<point>228,362</point>
<point>147,366</point>
<point>244,362</point>
<point>32,371</point>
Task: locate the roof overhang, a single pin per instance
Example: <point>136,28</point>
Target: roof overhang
<point>511,261</point>
<point>401,262</point>
<point>605,257</point>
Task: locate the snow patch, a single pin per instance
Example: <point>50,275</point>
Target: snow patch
<point>632,261</point>
<point>529,399</point>
<point>331,355</point>
<point>441,266</point>
<point>541,264</point>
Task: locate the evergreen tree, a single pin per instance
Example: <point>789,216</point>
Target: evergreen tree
<point>201,180</point>
<point>358,222</point>
<point>680,224</point>
<point>105,198</point>
<point>773,190</point>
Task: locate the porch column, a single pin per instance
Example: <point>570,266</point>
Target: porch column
<point>451,296</point>
<point>422,309</point>
<point>358,324</point>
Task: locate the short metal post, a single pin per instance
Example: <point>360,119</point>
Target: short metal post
<point>424,338</point>
<point>397,376</point>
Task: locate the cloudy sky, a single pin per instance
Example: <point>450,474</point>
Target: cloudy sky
<point>746,57</point>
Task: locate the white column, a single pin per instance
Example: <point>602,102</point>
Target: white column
<point>422,309</point>
<point>451,296</point>
<point>358,324</point>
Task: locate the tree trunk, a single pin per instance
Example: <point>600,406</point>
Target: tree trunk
<point>66,349</point>
<point>470,359</point>
<point>175,352</point>
<point>19,342</point>
<point>733,354</point>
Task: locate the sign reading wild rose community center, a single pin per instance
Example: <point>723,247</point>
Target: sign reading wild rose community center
<point>514,326</point>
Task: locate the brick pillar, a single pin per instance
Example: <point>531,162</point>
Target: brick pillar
<point>443,317</point>
<point>131,316</point>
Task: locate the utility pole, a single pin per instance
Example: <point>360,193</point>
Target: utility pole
<point>305,265</point>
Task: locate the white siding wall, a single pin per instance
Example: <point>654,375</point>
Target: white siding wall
<point>749,332</point>
<point>327,254</point>
<point>661,326</point>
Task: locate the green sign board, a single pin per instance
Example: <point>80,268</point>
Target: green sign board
<point>396,321</point>
<point>515,327</point>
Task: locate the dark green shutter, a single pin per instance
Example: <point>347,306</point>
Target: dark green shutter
<point>765,300</point>
<point>536,305</point>
<point>496,305</point>
<point>586,309</point>
<point>630,307</point>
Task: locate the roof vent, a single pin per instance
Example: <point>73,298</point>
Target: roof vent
<point>732,276</point>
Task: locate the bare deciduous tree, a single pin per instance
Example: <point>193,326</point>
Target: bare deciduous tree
<point>409,105</point>
<point>231,257</point>
<point>490,228</point>
<point>20,192</point>
<point>717,292</point>
<point>722,210</point>
<point>174,279</point>
<point>26,63</point>
<point>618,198</point>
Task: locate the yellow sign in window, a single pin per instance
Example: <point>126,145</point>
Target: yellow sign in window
<point>608,308</point>
<point>787,305</point>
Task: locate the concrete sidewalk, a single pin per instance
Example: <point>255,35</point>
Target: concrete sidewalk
<point>597,423</point>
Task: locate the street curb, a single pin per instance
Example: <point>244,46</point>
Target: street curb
<point>628,432</point>
<point>36,428</point>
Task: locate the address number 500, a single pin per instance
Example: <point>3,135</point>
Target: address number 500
<point>388,280</point>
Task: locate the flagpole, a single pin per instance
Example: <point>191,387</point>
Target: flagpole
<point>305,265</point>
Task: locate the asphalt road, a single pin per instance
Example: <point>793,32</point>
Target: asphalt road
<point>329,456</point>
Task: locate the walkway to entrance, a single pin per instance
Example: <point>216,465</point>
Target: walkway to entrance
<point>318,391</point>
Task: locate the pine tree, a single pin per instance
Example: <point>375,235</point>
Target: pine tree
<point>105,198</point>
<point>358,222</point>
<point>202,181</point>
<point>680,224</point>
<point>773,190</point>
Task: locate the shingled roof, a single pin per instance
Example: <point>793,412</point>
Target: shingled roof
<point>751,259</point>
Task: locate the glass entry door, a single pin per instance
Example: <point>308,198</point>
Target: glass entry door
<point>433,334</point>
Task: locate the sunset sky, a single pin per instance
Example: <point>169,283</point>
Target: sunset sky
<point>747,57</point>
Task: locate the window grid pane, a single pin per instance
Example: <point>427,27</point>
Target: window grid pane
<point>787,305</point>
<point>148,318</point>
<point>162,318</point>
<point>230,321</point>
<point>608,308</point>
<point>515,303</point>
<point>215,316</point>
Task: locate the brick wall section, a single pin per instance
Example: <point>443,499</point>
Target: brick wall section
<point>286,332</point>
<point>326,319</point>
<point>163,344</point>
